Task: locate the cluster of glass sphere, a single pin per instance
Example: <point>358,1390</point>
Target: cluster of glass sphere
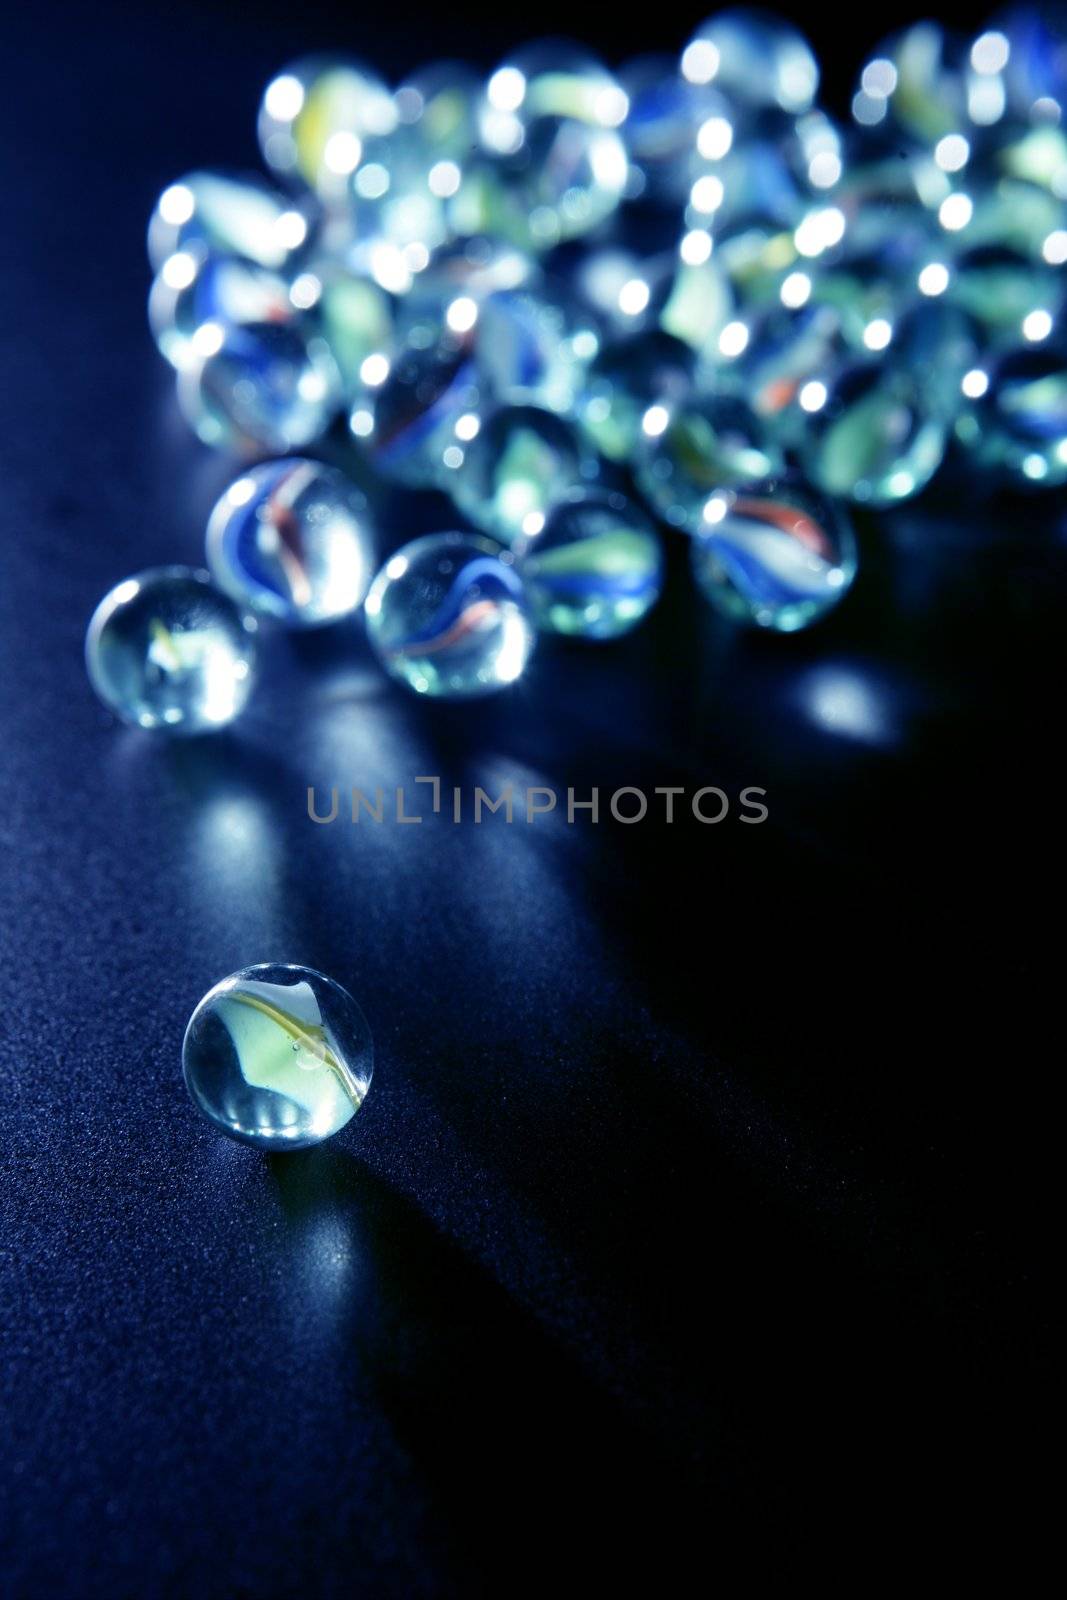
<point>582,302</point>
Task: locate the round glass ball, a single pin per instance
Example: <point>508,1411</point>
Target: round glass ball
<point>261,386</point>
<point>878,437</point>
<point>278,1056</point>
<point>230,215</point>
<point>757,57</point>
<point>596,567</point>
<point>1016,429</point>
<point>707,444</point>
<point>412,421</point>
<point>194,296</point>
<point>519,461</point>
<point>291,539</point>
<point>314,119</point>
<point>628,377</point>
<point>775,554</point>
<point>166,650</point>
<point>448,616</point>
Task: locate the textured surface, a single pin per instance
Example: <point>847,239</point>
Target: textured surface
<point>701,1168</point>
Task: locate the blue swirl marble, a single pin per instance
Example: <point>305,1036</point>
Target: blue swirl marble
<point>774,554</point>
<point>448,616</point>
<point>292,540</point>
<point>595,569</point>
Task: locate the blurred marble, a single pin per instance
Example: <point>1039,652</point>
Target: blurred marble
<point>1001,287</point>
<point>1015,427</point>
<point>877,437</point>
<point>666,114</point>
<point>260,386</point>
<point>166,650</point>
<point>461,275</point>
<point>709,443</point>
<point>520,459</point>
<point>774,554</point>
<point>415,415</point>
<point>448,617</point>
<point>194,297</point>
<point>754,56</point>
<point>629,379</point>
<point>595,568</point>
<point>785,362</point>
<point>549,122</point>
<point>228,215</point>
<point>354,316</point>
<point>292,540</point>
<point>314,118</point>
<point>535,344</point>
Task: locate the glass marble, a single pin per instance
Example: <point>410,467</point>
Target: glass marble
<point>278,1056</point>
<point>938,344</point>
<point>439,105</point>
<point>561,181</point>
<point>752,181</point>
<point>886,202</point>
<point>774,554</point>
<point>1036,68</point>
<point>629,378</point>
<point>1000,287</point>
<point>315,117</point>
<point>448,616</point>
<point>913,86</point>
<point>865,293</point>
<point>354,316</point>
<point>292,540</point>
<point>399,191</point>
<point>519,461</point>
<point>785,352</point>
<point>550,79</point>
<point>1036,155</point>
<point>754,254</point>
<point>666,113</point>
<point>1014,213</point>
<point>699,301</point>
<point>876,438</point>
<point>264,386</point>
<point>535,344</point>
<point>626,291</point>
<point>210,292</point>
<point>1017,428</point>
<point>467,270</point>
<point>229,215</point>
<point>166,650</point>
<point>758,58</point>
<point>709,443</point>
<point>412,425</point>
<point>559,167</point>
<point>595,568</point>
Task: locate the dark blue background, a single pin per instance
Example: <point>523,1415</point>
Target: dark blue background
<point>700,1186</point>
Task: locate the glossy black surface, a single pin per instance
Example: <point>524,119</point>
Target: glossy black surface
<point>699,1188</point>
